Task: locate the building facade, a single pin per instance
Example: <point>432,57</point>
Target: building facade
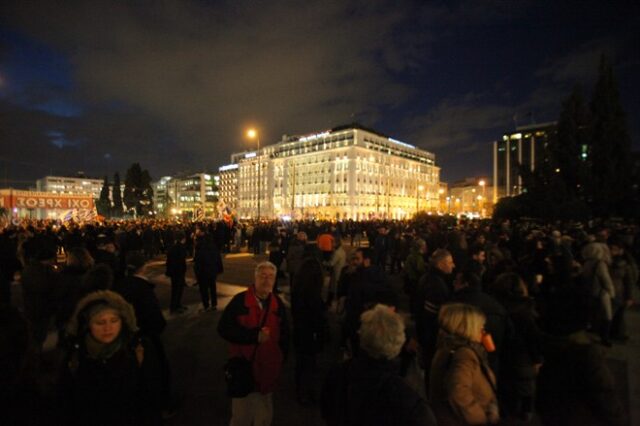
<point>191,196</point>
<point>526,146</point>
<point>228,187</point>
<point>73,185</point>
<point>349,172</point>
<point>471,197</point>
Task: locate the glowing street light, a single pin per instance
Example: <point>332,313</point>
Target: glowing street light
<point>253,134</point>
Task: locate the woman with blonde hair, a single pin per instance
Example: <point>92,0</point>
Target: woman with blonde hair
<point>462,388</point>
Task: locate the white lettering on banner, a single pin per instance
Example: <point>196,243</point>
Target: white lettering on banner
<point>42,202</point>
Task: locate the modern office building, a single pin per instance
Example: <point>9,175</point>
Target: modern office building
<point>72,185</point>
<point>192,196</point>
<point>526,146</point>
<point>349,172</point>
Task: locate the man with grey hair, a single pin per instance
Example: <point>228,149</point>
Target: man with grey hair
<point>256,326</point>
<point>368,390</point>
<point>434,290</point>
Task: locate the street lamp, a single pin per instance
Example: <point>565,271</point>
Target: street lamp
<point>253,134</point>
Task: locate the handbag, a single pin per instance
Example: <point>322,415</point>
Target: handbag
<point>238,370</point>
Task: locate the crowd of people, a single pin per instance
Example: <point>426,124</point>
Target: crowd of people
<point>439,322</point>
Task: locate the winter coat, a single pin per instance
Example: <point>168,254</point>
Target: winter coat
<point>462,387</point>
<point>498,323</point>
<point>366,391</point>
<point>308,309</point>
<point>176,261</point>
<point>239,325</point>
<point>116,390</point>
<point>140,293</point>
<point>595,274</point>
<point>207,261</point>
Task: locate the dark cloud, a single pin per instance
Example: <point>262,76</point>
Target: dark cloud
<point>174,84</point>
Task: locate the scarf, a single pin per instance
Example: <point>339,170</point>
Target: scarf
<point>101,351</point>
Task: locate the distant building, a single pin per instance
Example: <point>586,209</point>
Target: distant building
<point>229,186</point>
<point>79,184</point>
<point>349,172</point>
<point>526,146</point>
<point>471,197</point>
<point>191,196</point>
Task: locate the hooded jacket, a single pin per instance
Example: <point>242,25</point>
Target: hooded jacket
<point>115,388</point>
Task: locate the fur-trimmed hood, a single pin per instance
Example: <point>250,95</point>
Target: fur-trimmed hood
<point>78,322</point>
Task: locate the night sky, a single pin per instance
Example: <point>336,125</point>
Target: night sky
<point>97,85</point>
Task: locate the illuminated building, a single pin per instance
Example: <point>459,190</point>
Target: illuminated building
<point>229,186</point>
<point>79,185</point>
<point>348,172</point>
<point>527,146</point>
<point>470,197</point>
<point>192,196</point>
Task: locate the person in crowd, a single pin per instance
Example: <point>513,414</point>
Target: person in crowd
<point>522,357</point>
<point>398,251</point>
<point>106,253</point>
<point>308,312</point>
<point>369,286</point>
<point>69,288</point>
<point>176,268</point>
<point>207,265</point>
<point>21,383</point>
<point>337,263</point>
<point>623,281</point>
<point>462,386</point>
<point>276,256</point>
<point>326,241</point>
<point>9,263</point>
<point>414,268</point>
<point>433,291</point>
<point>240,326</point>
<point>477,260</point>
<point>112,376</point>
<point>381,248</point>
<point>140,293</point>
<point>39,282</point>
<point>368,390</point>
<point>467,289</point>
<point>596,276</point>
<point>295,255</point>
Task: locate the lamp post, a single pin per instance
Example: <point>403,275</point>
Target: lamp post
<point>253,134</point>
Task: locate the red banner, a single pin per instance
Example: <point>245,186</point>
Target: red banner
<point>44,200</point>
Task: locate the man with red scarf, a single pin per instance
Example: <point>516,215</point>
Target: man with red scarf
<point>240,326</point>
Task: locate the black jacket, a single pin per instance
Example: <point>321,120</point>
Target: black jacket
<point>176,261</point>
<point>140,293</point>
<point>367,391</point>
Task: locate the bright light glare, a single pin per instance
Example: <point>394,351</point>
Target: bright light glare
<point>252,133</point>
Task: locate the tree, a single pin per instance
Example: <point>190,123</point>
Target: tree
<point>104,203</point>
<point>117,196</point>
<point>610,156</point>
<point>569,146</point>
<point>138,194</point>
